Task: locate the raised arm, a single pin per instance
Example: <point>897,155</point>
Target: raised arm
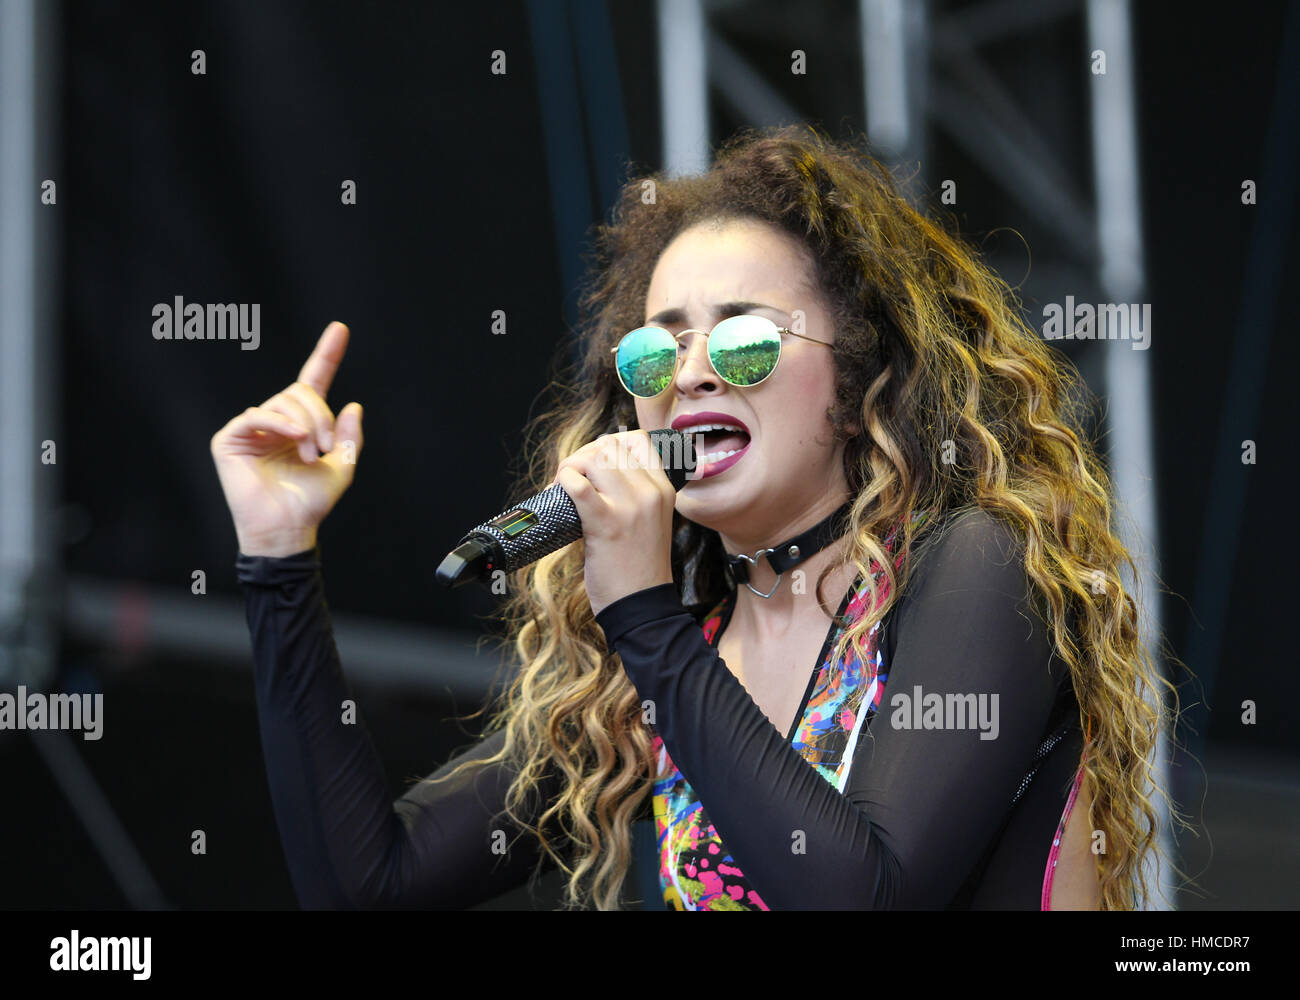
<point>921,804</point>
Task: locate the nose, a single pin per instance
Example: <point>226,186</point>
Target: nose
<point>696,376</point>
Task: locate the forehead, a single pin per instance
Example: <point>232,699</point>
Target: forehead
<point>736,260</point>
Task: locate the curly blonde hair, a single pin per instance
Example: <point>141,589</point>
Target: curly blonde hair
<point>945,400</point>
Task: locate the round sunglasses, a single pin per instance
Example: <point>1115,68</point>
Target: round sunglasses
<point>743,350</point>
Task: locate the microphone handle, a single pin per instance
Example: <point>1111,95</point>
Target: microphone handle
<point>544,522</point>
<point>532,528</point>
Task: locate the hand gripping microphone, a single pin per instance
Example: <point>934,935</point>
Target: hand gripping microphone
<point>544,522</point>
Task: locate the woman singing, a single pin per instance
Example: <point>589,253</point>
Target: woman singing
<point>877,652</point>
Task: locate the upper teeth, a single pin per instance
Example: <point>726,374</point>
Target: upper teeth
<point>702,428</point>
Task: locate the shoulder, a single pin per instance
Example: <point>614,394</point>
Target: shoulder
<point>969,537</point>
<point>966,554</point>
<point>968,593</point>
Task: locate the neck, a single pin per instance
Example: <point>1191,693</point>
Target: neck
<point>773,615</point>
<point>797,591</point>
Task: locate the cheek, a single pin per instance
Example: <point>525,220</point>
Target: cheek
<point>651,414</point>
<point>800,411</point>
<point>812,389</point>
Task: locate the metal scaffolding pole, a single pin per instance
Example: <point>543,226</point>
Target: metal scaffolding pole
<point>30,570</point>
<point>684,86</point>
<point>894,65</point>
<point>1128,371</point>
<point>27,485</point>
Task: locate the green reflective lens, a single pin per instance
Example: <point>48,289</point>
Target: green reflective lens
<point>745,349</point>
<point>646,360</point>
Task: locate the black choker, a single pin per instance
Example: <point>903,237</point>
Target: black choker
<point>790,553</point>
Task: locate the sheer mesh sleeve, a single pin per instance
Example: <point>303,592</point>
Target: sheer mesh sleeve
<point>346,843</point>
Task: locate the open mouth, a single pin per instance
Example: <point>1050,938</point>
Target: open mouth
<point>718,446</point>
<point>717,442</point>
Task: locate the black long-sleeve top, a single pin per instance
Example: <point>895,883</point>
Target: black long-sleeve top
<point>925,818</point>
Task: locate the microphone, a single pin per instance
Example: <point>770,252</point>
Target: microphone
<point>544,522</point>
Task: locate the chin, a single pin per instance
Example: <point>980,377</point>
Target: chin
<point>713,503</point>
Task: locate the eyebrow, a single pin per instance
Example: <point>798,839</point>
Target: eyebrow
<point>668,317</point>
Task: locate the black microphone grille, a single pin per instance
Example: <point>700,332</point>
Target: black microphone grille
<point>676,454</point>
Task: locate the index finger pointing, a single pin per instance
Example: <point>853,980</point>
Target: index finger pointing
<point>319,370</point>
